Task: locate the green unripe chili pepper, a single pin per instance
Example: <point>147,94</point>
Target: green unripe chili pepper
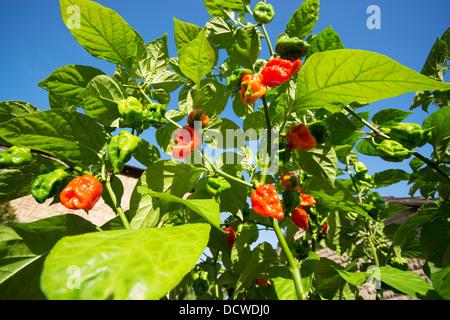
<point>319,130</point>
<point>154,115</point>
<point>291,47</point>
<point>216,185</point>
<point>15,156</point>
<point>361,175</point>
<point>377,202</point>
<point>130,111</point>
<point>121,148</point>
<point>360,167</point>
<point>201,282</point>
<point>263,13</point>
<point>400,264</point>
<point>47,183</point>
<point>234,81</point>
<point>410,135</point>
<point>390,150</point>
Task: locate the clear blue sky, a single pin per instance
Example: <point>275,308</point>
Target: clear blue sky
<point>35,41</point>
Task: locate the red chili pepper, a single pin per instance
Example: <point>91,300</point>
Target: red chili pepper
<point>81,193</point>
<point>231,236</point>
<point>300,218</point>
<point>300,138</point>
<point>186,139</point>
<point>278,71</point>
<point>307,200</point>
<point>324,228</point>
<point>266,202</point>
<point>263,282</point>
<point>253,87</point>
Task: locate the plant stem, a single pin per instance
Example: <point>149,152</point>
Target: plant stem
<point>268,40</point>
<point>294,267</point>
<point>118,208</point>
<point>269,138</point>
<point>224,174</point>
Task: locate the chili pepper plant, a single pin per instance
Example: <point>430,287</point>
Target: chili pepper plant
<point>192,230</point>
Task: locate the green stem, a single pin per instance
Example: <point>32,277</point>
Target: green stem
<point>173,122</point>
<point>269,138</point>
<point>224,174</point>
<point>268,40</point>
<point>294,267</point>
<point>117,206</point>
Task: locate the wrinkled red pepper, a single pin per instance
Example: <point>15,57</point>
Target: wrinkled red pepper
<point>253,87</point>
<point>81,193</point>
<point>300,218</point>
<point>300,138</point>
<point>186,140</point>
<point>266,202</point>
<point>278,71</point>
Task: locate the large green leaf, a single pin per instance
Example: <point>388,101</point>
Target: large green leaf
<point>304,19</point>
<point>424,214</point>
<point>336,78</point>
<point>101,31</point>
<point>14,108</point>
<point>184,32</point>
<point>69,81</point>
<point>245,47</point>
<point>216,7</point>
<point>123,264</point>
<point>100,99</point>
<point>196,58</point>
<point>206,208</point>
<point>153,58</point>
<point>326,40</point>
<point>69,136</point>
<point>23,247</point>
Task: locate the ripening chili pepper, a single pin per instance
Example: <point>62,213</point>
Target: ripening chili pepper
<point>81,193</point>
<point>186,140</point>
<point>278,71</point>
<point>15,156</point>
<point>307,200</point>
<point>291,47</point>
<point>300,218</point>
<point>263,12</point>
<point>47,183</point>
<point>253,87</point>
<point>300,138</point>
<point>231,236</point>
<point>266,202</point>
<point>234,81</point>
<point>197,115</point>
<point>289,181</point>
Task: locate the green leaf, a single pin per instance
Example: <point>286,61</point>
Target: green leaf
<point>153,58</point>
<point>282,282</point>
<point>69,81</point>
<point>221,134</point>
<point>11,109</point>
<point>320,161</point>
<point>336,78</point>
<point>365,147</point>
<point>326,40</point>
<point>303,20</point>
<point>101,31</point>
<point>437,58</point>
<point>23,248</point>
<point>424,214</point>
<point>196,58</point>
<point>146,153</point>
<point>167,80</point>
<point>100,99</point>
<point>206,208</point>
<point>245,48</point>
<point>216,7</point>
<point>389,117</point>
<point>262,256</point>
<point>435,242</point>
<point>441,282</point>
<point>184,32</point>
<point>342,130</point>
<point>123,264</point>
<point>388,177</point>
<point>212,97</point>
<point>69,136</point>
<point>439,122</point>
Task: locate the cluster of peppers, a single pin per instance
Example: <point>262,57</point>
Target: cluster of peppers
<point>187,138</point>
<point>403,138</point>
<point>289,51</point>
<point>134,115</point>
